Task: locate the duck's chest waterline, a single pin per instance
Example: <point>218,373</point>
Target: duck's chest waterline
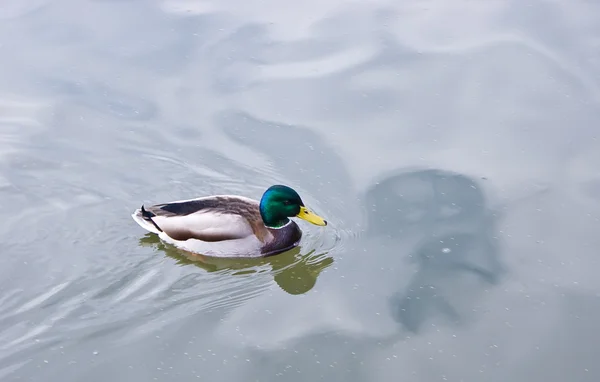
<point>284,239</point>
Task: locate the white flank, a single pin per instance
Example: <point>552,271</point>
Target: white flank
<point>207,223</point>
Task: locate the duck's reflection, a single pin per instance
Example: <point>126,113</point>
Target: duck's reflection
<point>444,217</point>
<point>295,273</point>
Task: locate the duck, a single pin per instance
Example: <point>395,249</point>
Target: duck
<point>230,225</point>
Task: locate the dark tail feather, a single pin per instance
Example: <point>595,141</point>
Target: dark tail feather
<point>148,216</point>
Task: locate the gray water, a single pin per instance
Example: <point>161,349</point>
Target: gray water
<point>452,146</point>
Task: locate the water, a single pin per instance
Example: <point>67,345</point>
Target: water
<point>453,149</point>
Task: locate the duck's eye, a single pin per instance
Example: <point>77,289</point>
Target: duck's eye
<point>287,202</point>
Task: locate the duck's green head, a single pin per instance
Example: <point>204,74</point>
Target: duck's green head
<point>279,203</point>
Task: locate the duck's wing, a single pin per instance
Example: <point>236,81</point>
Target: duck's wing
<point>212,218</point>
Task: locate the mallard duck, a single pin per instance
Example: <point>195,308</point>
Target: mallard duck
<point>230,225</point>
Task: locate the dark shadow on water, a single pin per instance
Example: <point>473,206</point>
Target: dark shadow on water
<point>440,220</point>
<point>455,251</point>
<point>294,272</point>
<point>442,223</point>
<point>299,155</point>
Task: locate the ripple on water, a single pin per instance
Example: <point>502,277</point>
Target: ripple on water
<point>133,301</point>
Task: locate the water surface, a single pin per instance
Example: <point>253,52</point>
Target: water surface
<point>452,148</point>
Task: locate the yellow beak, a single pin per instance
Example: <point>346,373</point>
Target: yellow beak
<point>311,217</point>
